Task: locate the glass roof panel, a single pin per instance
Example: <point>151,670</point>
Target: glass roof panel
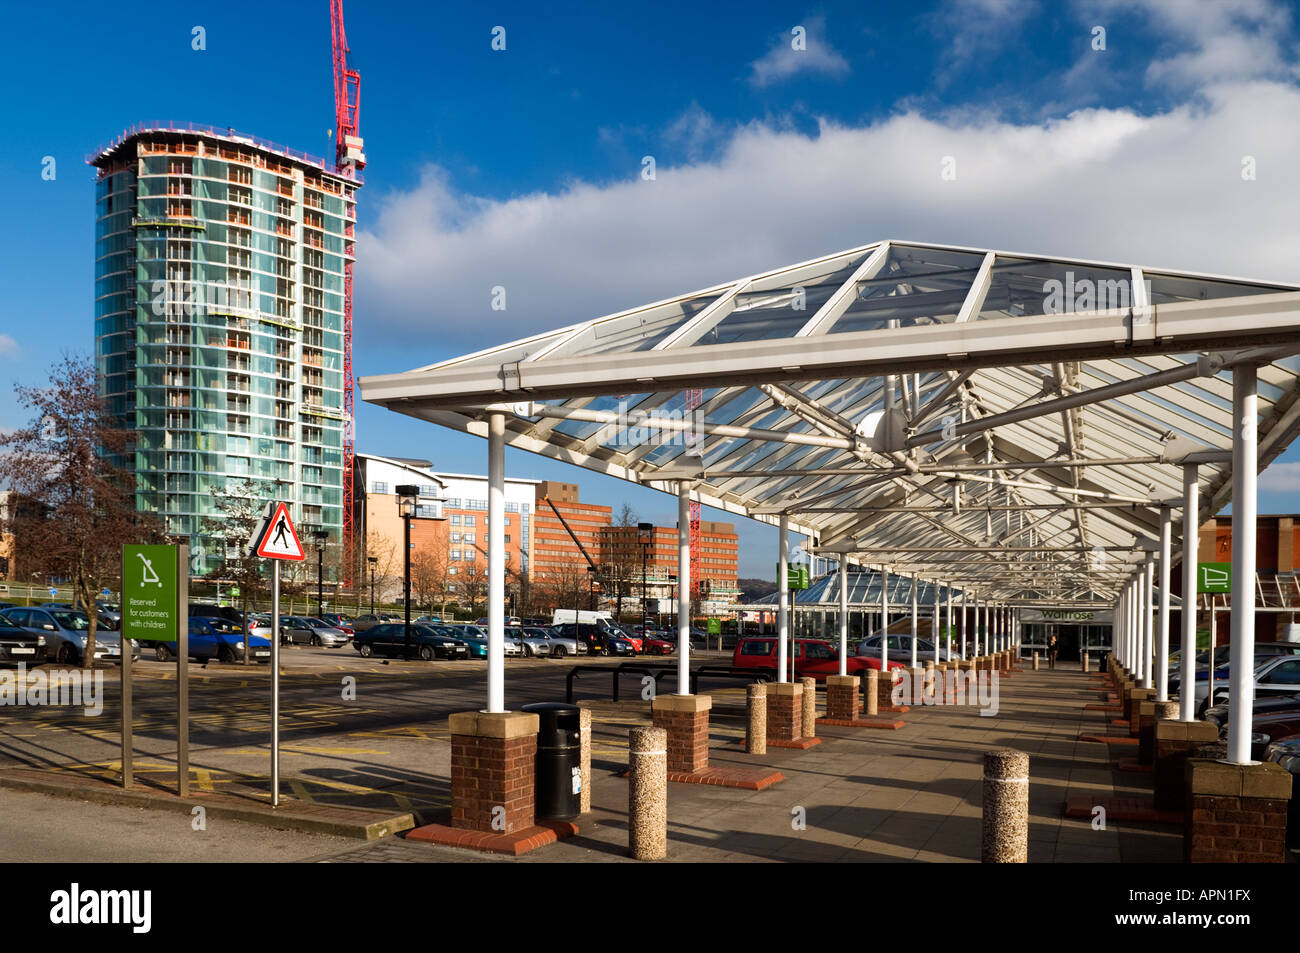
<point>1025,286</point>
<point>772,310</point>
<point>639,331</point>
<point>1167,289</point>
<point>915,286</point>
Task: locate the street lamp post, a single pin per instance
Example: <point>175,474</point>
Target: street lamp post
<point>372,560</point>
<point>407,496</point>
<point>320,536</point>
<point>645,534</point>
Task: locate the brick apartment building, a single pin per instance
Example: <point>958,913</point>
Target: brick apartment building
<point>554,552</point>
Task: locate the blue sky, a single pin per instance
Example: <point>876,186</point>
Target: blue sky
<point>521,167</point>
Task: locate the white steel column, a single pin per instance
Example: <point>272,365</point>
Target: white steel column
<point>1162,630</point>
<point>964,626</point>
<point>1241,686</point>
<point>949,626</point>
<point>1148,619</point>
<point>782,598</point>
<point>1191,511</point>
<point>496,700</point>
<point>844,615</point>
<point>684,588</point>
<point>884,621</point>
<point>934,625</point>
<point>914,620</point>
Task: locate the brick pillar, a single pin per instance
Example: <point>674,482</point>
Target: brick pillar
<point>842,697</point>
<point>686,719</point>
<point>1151,714</point>
<point>1174,741</point>
<point>784,711</point>
<point>1133,710</point>
<point>493,762</point>
<point>885,688</point>
<point>1236,812</point>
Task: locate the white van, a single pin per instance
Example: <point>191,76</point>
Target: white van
<point>567,616</point>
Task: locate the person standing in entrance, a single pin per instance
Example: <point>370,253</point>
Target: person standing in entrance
<point>1053,646</point>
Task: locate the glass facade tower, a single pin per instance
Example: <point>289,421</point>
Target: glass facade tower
<point>219,322</point>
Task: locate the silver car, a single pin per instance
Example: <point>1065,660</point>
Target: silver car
<point>900,649</point>
<point>65,633</point>
<point>560,646</point>
<point>310,631</point>
<point>533,646</point>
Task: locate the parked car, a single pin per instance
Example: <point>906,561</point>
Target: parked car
<point>341,622</point>
<point>363,622</point>
<point>900,649</point>
<point>1222,658</point>
<point>560,646</point>
<point>1218,714</point>
<point>308,630</point>
<point>534,646</point>
<point>18,644</point>
<point>475,637</point>
<point>213,638</point>
<point>1274,675</point>
<point>594,639</point>
<point>1286,753</point>
<point>65,632</point>
<point>814,658</point>
<point>653,645</point>
<point>389,638</point>
<point>207,610</point>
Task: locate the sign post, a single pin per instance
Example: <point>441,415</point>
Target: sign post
<point>155,596</point>
<point>276,540</point>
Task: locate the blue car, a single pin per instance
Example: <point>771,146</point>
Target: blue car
<point>221,639</point>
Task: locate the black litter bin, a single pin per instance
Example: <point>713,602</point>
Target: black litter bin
<point>559,771</point>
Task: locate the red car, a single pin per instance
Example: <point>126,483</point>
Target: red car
<point>658,647</point>
<point>815,658</point>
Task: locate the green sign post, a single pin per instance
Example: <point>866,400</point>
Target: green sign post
<point>155,608</point>
<point>1214,577</point>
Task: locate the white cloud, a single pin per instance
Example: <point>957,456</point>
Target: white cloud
<point>8,346</point>
<point>783,61</point>
<point>1210,41</point>
<point>1164,190</point>
<point>1281,478</point>
<point>976,27</point>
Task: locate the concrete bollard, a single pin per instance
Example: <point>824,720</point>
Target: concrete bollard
<point>1035,661</point>
<point>871,697</point>
<point>584,759</point>
<point>647,793</point>
<point>1086,666</point>
<point>756,707</point>
<point>809,707</point>
<point>1004,824</point>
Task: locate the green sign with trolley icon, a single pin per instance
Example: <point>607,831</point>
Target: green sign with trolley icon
<point>150,607</point>
<point>1214,577</point>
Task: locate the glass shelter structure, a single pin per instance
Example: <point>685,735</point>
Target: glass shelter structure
<point>1042,431</point>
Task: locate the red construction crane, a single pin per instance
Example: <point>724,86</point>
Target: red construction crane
<point>348,159</point>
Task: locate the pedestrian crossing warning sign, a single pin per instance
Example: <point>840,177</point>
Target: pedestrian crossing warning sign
<point>279,540</point>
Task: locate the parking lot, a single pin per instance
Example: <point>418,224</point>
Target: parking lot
<point>907,794</point>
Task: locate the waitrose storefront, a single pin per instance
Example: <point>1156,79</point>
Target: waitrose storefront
<point>1076,630</point>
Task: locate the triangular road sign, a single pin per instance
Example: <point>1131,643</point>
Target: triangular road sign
<point>280,541</point>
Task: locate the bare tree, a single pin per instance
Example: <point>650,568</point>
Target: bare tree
<point>430,580</point>
<point>72,505</point>
<point>620,557</point>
